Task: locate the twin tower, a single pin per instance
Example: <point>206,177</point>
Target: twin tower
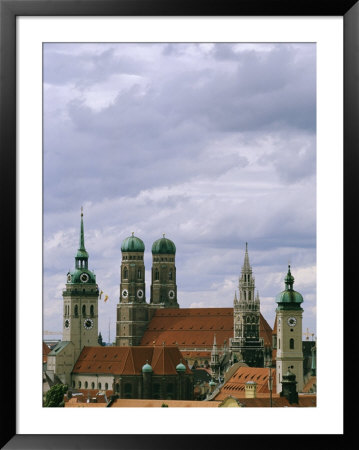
<point>133,312</point>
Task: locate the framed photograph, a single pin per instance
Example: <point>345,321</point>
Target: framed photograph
<point>220,131</point>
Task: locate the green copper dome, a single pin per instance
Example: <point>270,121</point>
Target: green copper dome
<point>147,368</point>
<point>181,367</point>
<point>163,246</point>
<point>289,298</point>
<point>81,276</point>
<point>132,244</point>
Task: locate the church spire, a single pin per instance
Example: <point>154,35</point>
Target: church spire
<point>246,266</point>
<point>81,258</point>
<point>82,235</point>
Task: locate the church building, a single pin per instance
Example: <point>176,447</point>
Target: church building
<point>157,342</point>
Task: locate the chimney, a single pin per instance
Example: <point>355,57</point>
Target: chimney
<point>251,389</point>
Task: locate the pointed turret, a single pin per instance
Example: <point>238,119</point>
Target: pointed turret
<point>82,256</point>
<point>246,266</point>
<point>235,301</point>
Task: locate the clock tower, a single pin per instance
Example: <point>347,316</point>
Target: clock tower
<point>289,333</point>
<point>80,301</point>
<point>163,286</point>
<point>132,309</point>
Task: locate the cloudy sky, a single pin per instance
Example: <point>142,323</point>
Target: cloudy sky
<point>212,144</point>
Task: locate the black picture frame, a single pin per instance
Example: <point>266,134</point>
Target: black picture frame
<point>9,10</point>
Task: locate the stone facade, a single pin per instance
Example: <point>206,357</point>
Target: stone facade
<point>246,344</point>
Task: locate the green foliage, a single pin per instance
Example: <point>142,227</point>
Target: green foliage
<point>55,396</point>
<point>164,405</point>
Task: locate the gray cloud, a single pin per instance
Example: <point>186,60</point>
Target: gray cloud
<point>212,144</point>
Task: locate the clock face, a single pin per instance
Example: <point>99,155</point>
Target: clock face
<point>171,294</point>
<point>140,293</point>
<point>69,278</point>
<point>124,293</point>
<point>292,321</point>
<point>84,277</point>
<point>88,324</point>
<point>67,323</point>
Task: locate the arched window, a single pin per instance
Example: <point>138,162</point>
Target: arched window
<point>170,276</point>
<point>245,297</point>
<point>84,310</point>
<point>125,273</point>
<point>157,275</point>
<point>278,343</point>
<point>86,384</point>
<point>79,384</point>
<point>139,273</point>
<point>76,311</point>
<point>106,386</point>
<point>99,385</point>
<point>291,344</point>
<point>92,385</point>
<point>92,311</point>
<point>249,295</point>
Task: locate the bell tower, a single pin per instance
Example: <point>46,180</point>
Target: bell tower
<point>246,342</point>
<point>80,301</point>
<point>132,309</point>
<point>289,333</point>
<point>163,286</point>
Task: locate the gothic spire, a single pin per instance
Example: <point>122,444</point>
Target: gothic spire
<point>246,266</point>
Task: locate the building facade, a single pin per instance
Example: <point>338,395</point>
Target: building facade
<point>289,315</point>
<point>247,345</point>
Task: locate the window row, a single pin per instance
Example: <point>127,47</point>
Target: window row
<point>76,310</point>
<point>125,273</point>
<point>133,257</point>
<point>157,275</point>
<point>163,259</point>
<point>86,385</point>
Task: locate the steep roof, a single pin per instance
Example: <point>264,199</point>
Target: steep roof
<point>235,386</point>
<point>195,327</point>
<point>128,360</point>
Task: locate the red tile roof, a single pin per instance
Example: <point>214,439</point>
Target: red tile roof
<point>235,386</point>
<point>128,360</point>
<point>277,401</point>
<point>195,327</point>
<point>311,383</point>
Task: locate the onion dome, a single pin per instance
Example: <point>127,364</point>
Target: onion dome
<point>181,367</point>
<point>132,244</point>
<point>163,246</point>
<point>147,368</point>
<point>289,298</point>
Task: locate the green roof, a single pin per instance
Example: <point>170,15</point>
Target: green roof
<point>181,367</point>
<point>78,278</point>
<point>147,368</point>
<point>289,298</point>
<point>58,348</point>
<point>132,244</point>
<point>163,246</point>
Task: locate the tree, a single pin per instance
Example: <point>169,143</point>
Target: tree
<point>55,396</point>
